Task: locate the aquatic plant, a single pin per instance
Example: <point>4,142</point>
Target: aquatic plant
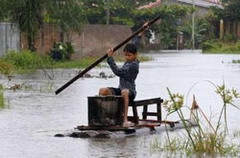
<point>227,96</point>
<point>199,140</point>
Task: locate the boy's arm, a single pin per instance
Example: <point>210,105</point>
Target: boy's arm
<point>121,72</point>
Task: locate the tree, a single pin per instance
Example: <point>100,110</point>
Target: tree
<point>68,14</point>
<point>120,11</point>
<point>232,11</point>
<point>168,28</point>
<point>31,14</point>
<point>26,13</point>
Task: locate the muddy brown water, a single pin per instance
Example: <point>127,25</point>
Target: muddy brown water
<point>35,114</point>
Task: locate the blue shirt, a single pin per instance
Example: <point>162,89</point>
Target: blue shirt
<point>127,74</point>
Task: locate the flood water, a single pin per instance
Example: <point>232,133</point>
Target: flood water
<point>35,114</point>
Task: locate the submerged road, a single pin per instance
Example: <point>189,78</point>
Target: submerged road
<point>35,114</point>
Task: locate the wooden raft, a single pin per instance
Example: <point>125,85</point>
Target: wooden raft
<point>101,109</point>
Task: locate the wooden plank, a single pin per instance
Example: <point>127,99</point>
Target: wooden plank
<point>145,109</point>
<point>110,128</point>
<point>135,114</point>
<point>147,102</point>
<point>151,114</point>
<point>159,111</point>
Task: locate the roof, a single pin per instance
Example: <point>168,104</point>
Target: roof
<point>151,5</point>
<point>201,3</point>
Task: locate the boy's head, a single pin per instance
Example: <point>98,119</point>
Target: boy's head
<point>130,48</point>
<point>130,52</point>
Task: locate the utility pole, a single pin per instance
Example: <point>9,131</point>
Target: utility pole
<point>193,26</point>
<point>107,12</point>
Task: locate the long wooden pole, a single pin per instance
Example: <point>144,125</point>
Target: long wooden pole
<point>105,56</point>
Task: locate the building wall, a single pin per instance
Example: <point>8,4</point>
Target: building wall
<point>96,39</point>
<point>45,38</point>
<point>92,41</point>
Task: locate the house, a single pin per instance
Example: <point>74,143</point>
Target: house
<point>201,9</point>
<point>202,6</point>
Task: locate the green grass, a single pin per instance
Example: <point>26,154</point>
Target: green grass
<point>2,99</point>
<point>218,47</point>
<point>6,68</point>
<point>22,62</point>
<point>28,62</point>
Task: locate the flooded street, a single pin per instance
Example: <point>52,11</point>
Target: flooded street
<point>35,114</point>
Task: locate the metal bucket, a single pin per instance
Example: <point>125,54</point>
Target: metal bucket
<point>105,110</point>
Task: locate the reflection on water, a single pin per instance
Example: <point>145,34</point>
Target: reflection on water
<point>36,114</point>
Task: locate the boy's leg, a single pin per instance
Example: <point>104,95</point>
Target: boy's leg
<point>105,91</point>
<point>125,95</point>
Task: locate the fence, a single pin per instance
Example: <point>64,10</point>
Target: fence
<point>9,38</point>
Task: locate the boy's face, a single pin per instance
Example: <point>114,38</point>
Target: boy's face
<point>130,56</point>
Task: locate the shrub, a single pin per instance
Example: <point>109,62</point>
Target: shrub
<point>24,62</point>
<point>207,46</point>
<point>6,68</point>
<point>62,51</point>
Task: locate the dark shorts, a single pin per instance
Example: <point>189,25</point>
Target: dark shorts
<point>117,91</point>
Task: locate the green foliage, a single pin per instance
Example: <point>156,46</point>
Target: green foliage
<point>174,103</point>
<point>125,12</point>
<point>6,68</point>
<point>82,63</point>
<point>2,99</point>
<point>69,15</point>
<point>168,28</point>
<point>25,61</point>
<point>228,96</point>
<point>120,11</point>
<point>207,46</point>
<point>200,30</point>
<point>30,15</point>
<point>217,47</point>
<point>230,38</point>
<point>230,12</point>
<point>27,14</point>
<point>62,51</point>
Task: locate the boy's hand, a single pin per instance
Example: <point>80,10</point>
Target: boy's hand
<point>110,52</point>
<point>144,25</point>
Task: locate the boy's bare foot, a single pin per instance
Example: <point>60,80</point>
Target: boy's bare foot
<point>128,124</point>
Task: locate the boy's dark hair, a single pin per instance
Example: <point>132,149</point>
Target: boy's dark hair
<point>131,48</point>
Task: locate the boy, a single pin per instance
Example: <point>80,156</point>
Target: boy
<point>127,74</point>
